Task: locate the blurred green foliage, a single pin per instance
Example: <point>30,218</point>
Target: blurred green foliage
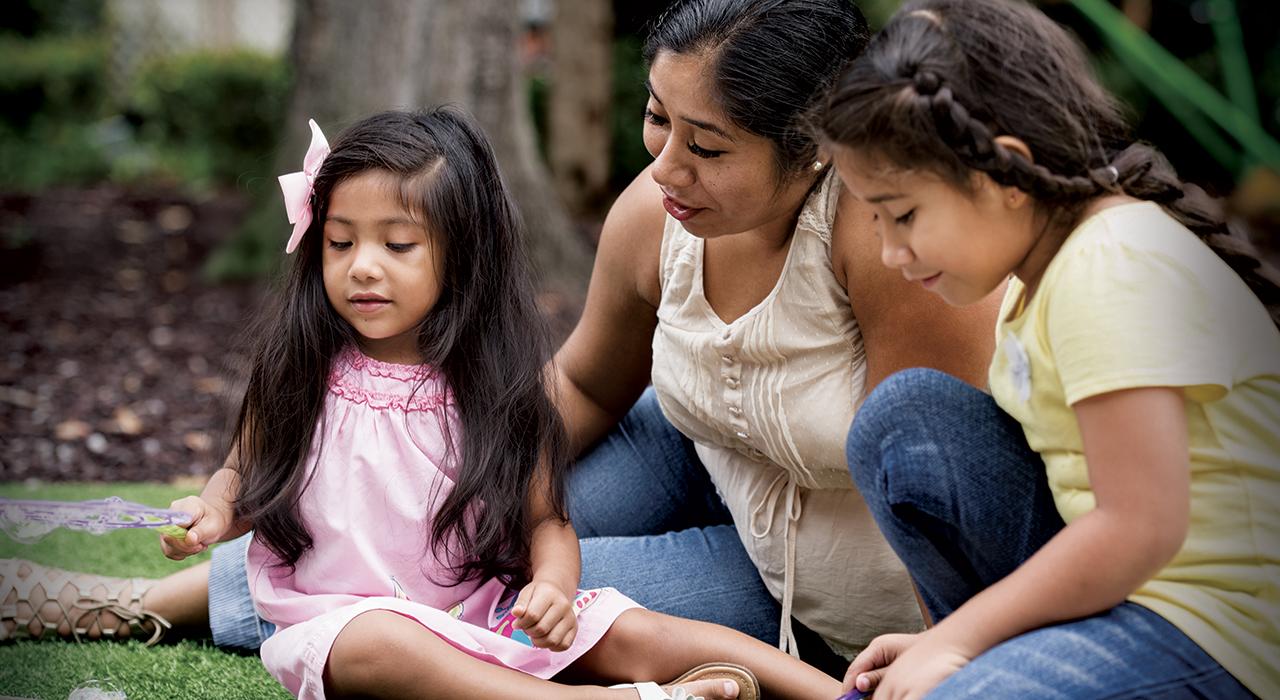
<point>210,117</point>
<point>42,17</point>
<point>209,120</point>
<point>57,78</point>
<point>627,152</point>
<point>253,251</point>
<point>199,119</point>
<point>47,88</point>
<point>1210,94</point>
<point>539,91</point>
<point>878,12</point>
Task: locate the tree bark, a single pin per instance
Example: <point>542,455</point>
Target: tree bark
<point>578,108</point>
<point>354,58</point>
<point>472,51</point>
<point>351,59</point>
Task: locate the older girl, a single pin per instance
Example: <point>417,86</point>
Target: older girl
<point>1137,361</point>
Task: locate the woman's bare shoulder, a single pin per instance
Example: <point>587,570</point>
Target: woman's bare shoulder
<point>631,239</point>
<point>904,325</point>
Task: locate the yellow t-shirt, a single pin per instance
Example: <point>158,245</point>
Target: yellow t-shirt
<point>1133,299</point>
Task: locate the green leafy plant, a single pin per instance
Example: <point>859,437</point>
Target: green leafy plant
<point>50,87</point>
<point>1206,114</point>
<point>211,117</point>
<point>50,79</point>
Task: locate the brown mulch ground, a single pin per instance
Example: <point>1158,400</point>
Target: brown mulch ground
<point>117,360</point>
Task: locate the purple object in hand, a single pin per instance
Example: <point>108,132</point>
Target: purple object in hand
<point>854,694</point>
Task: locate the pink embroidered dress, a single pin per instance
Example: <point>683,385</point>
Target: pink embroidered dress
<point>379,471</point>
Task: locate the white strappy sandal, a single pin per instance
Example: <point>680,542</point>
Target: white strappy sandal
<point>652,691</point>
<point>748,685</point>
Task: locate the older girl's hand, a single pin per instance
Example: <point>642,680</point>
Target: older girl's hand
<point>906,667</point>
<point>869,667</point>
<point>545,614</point>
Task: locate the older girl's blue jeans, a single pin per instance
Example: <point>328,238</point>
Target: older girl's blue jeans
<point>652,526</point>
<point>964,501</point>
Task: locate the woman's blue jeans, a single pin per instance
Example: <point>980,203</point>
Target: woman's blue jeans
<point>964,501</point>
<point>651,525</point>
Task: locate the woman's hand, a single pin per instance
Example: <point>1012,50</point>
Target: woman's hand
<point>904,666</point>
<point>208,524</point>
<point>545,614</point>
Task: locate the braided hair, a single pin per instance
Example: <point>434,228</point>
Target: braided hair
<point>944,78</point>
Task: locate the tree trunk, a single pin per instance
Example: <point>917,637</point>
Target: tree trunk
<point>475,64</point>
<point>351,59</point>
<point>354,58</point>
<point>578,108</point>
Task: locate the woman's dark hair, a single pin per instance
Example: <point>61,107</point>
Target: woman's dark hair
<point>770,61</point>
<point>484,333</point>
<point>944,78</point>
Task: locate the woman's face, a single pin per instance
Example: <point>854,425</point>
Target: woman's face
<point>716,178</point>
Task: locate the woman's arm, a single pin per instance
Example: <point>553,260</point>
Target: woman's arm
<point>1135,444</point>
<point>904,325</point>
<point>604,366</point>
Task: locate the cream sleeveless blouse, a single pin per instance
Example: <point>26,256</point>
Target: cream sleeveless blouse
<point>768,400</point>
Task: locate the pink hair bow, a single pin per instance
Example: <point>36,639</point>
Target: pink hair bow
<point>297,187</point>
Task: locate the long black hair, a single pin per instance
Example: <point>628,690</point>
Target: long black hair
<point>484,333</point>
<point>770,61</point>
<point>944,78</point>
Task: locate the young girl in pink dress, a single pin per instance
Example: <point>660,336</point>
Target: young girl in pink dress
<point>401,463</point>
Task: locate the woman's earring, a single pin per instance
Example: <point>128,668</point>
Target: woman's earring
<point>817,165</point>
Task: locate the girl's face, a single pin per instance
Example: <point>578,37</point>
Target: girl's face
<point>960,245</point>
<point>716,178</point>
<point>381,271</point>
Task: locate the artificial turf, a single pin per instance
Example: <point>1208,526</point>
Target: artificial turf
<point>188,669</point>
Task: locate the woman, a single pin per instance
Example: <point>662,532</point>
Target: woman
<point>735,275</point>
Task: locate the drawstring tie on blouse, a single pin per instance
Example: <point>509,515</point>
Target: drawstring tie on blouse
<point>782,487</point>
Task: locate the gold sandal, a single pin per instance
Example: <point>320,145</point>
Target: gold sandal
<point>35,599</point>
<point>748,686</point>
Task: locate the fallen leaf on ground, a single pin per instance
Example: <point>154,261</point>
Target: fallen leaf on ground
<point>127,421</point>
<point>69,430</point>
<point>197,441</point>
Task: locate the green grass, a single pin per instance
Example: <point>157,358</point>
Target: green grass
<point>52,669</point>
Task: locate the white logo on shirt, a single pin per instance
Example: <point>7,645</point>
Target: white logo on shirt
<point>1019,366</point>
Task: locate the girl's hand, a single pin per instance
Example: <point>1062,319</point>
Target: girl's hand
<point>208,524</point>
<point>546,615</point>
<point>906,667</point>
<point>869,667</point>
